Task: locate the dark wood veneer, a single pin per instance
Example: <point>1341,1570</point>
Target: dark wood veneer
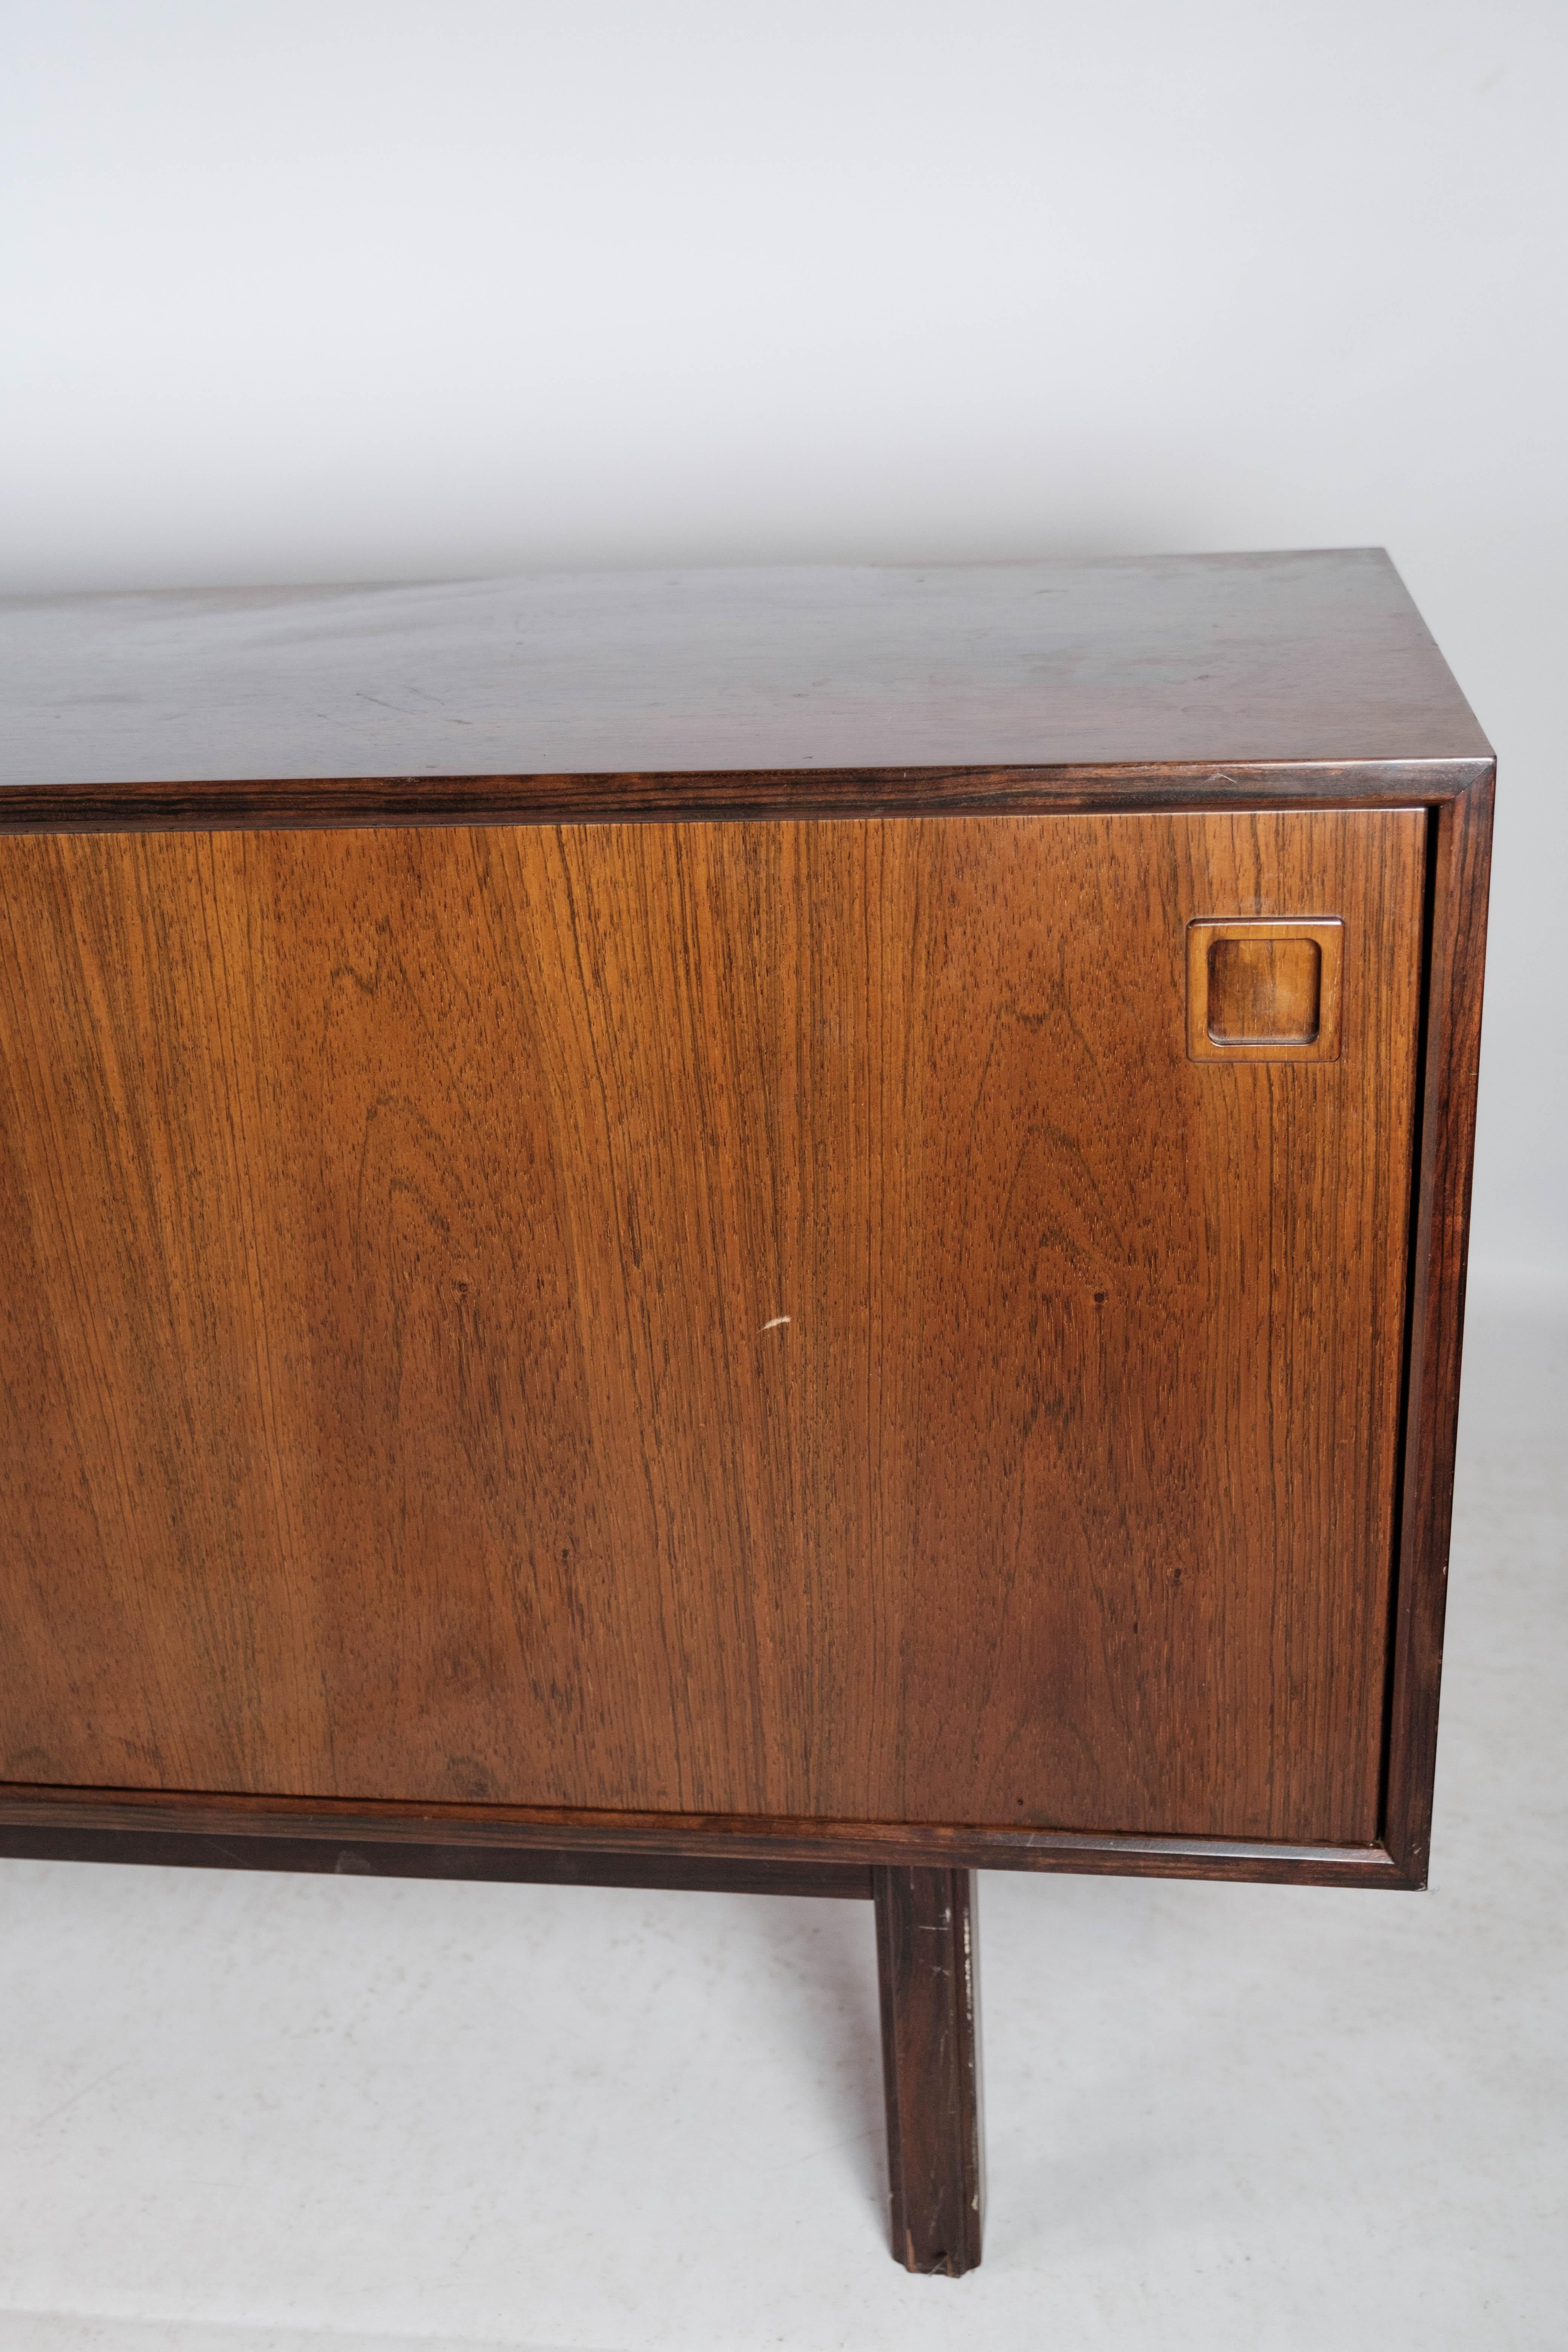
<point>927,1965</point>
<point>573,1295</point>
<point>1275,737</point>
<point>294,804</point>
<point>70,1814</point>
<point>1142,661</point>
<point>1451,1058</point>
<point>179,1840</point>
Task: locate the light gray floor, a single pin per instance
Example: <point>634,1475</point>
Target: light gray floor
<point>273,2114</point>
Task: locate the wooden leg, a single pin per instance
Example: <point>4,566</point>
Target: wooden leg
<point>928,1964</point>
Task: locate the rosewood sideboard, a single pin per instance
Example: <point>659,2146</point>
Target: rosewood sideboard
<point>795,1230</point>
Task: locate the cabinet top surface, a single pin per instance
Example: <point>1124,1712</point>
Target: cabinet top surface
<point>1202,659</point>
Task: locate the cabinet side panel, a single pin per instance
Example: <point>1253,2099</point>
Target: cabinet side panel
<point>740,1319</point>
<point>1461,875</point>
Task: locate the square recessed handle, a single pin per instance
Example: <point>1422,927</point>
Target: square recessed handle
<point>1260,990</point>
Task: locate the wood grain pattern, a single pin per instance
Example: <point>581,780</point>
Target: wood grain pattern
<point>1314,656</point>
<point>397,1233</point>
<point>1262,992</point>
<point>1266,991</point>
<point>927,1969</point>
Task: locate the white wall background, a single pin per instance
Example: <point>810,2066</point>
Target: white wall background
<point>315,290</point>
